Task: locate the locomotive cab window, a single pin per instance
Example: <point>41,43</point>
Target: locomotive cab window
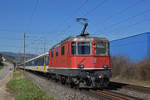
<point>84,48</point>
<point>73,48</point>
<point>100,48</point>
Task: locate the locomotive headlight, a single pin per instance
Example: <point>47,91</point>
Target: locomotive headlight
<point>105,66</point>
<point>81,66</point>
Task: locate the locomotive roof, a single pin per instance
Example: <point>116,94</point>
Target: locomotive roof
<point>78,38</point>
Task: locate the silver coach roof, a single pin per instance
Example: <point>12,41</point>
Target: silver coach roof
<point>45,54</point>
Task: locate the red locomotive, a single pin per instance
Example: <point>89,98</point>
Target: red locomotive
<point>82,61</point>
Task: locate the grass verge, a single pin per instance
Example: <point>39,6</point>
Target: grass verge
<point>25,89</point>
<point>1,67</point>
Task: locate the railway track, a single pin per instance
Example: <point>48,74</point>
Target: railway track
<point>106,94</point>
<point>130,87</point>
<point>114,95</point>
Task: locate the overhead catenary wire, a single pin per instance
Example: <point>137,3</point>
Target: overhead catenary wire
<point>81,6</point>
<point>132,25</point>
<point>9,30</point>
<point>71,16</point>
<point>77,10</point>
<point>97,6</point>
<point>67,19</point>
<point>32,14</point>
<point>114,31</point>
<point>90,11</point>
<point>125,20</point>
<point>35,44</point>
<point>122,11</point>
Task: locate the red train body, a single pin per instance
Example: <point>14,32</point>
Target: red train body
<point>84,61</point>
<point>69,60</point>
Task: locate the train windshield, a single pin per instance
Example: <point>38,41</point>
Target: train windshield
<point>101,48</point>
<point>83,48</point>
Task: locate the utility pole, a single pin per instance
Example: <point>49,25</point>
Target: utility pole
<point>24,51</point>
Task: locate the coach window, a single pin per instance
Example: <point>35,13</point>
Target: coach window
<point>47,60</point>
<point>56,51</point>
<point>32,63</point>
<point>73,48</point>
<point>63,50</point>
<point>84,48</point>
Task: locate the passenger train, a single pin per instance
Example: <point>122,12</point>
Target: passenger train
<point>82,61</point>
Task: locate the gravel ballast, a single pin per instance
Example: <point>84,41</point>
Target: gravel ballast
<point>61,92</point>
<point>64,92</point>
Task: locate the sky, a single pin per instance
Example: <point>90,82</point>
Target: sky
<point>47,22</point>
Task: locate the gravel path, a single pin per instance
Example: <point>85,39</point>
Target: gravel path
<point>4,71</point>
<point>61,92</point>
<point>5,76</point>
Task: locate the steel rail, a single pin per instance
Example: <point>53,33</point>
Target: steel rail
<point>114,95</point>
<point>131,87</point>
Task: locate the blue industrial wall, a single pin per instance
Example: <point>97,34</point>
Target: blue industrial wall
<point>148,44</point>
<point>136,47</point>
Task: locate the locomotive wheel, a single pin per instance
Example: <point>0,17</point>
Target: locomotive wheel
<point>71,84</point>
<point>106,82</point>
<point>63,80</point>
<point>56,80</point>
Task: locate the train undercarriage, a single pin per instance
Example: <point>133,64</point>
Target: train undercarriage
<point>82,78</point>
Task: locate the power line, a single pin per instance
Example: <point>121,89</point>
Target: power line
<point>128,26</point>
<point>97,6</point>
<point>92,10</point>
<point>134,24</point>
<point>8,30</point>
<point>127,19</point>
<point>70,17</point>
<point>122,11</point>
<point>32,14</point>
<point>81,6</point>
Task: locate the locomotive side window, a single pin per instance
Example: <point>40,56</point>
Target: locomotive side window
<point>63,50</point>
<point>84,48</point>
<point>52,53</point>
<point>100,48</point>
<point>56,51</point>
<point>73,48</point>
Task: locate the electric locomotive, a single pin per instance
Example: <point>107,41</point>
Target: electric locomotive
<point>82,61</point>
